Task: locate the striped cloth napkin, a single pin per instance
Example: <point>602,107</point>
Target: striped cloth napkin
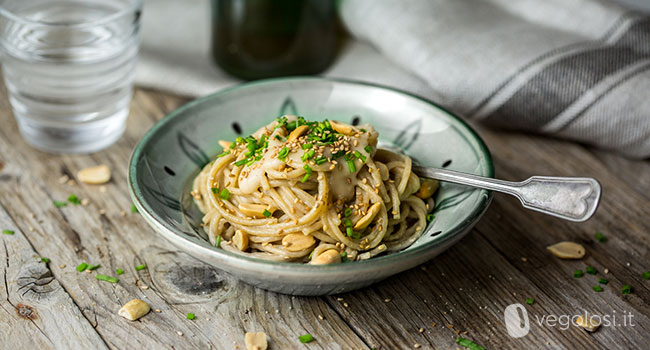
<point>577,69</point>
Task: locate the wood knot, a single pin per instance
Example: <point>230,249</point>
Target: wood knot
<point>26,312</point>
<point>36,282</point>
<point>195,280</point>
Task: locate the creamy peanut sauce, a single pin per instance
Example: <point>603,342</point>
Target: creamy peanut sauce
<point>341,181</point>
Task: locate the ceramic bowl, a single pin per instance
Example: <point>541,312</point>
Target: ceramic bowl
<point>172,152</point>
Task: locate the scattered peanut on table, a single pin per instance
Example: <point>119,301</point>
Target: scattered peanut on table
<point>134,309</point>
<point>567,250</point>
<point>96,175</point>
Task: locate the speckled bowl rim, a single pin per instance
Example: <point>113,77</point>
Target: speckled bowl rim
<point>156,221</point>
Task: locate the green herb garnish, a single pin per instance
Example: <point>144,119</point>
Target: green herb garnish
<point>141,267</point>
<point>278,137</point>
<point>600,237</point>
<point>468,344</point>
<point>349,231</point>
<point>59,204</point>
<point>119,271</point>
<point>320,160</point>
<point>530,301</point>
<point>46,260</point>
<point>111,279</point>
<point>351,166</point>
<point>344,257</point>
<point>306,338</point>
<point>217,242</point>
<point>190,316</point>
<point>215,190</point>
<point>597,288</point>
<point>225,153</point>
<point>74,199</point>
<point>134,209</point>
<point>283,153</point>
<point>347,223</point>
<point>430,217</point>
<point>82,267</point>
<point>93,267</point>
<point>602,281</point>
<point>627,289</point>
<point>224,194</point>
<point>590,270</point>
<point>240,162</point>
<point>266,213</point>
<point>578,273</point>
<point>308,171</point>
<point>347,212</point>
<point>368,149</point>
<point>306,146</point>
<point>8,232</point>
<point>646,275</point>
<point>239,139</point>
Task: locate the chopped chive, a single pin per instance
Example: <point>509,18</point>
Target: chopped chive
<point>320,160</point>
<point>646,275</point>
<point>74,199</point>
<point>311,254</point>
<point>215,190</point>
<point>602,281</point>
<point>347,212</point>
<point>597,288</point>
<point>232,145</point>
<point>307,146</point>
<point>430,217</point>
<point>363,130</point>
<point>344,257</point>
<point>278,137</point>
<point>469,344</point>
<point>349,231</point>
<point>59,204</point>
<point>530,301</point>
<point>119,271</point>
<point>600,237</point>
<point>134,209</point>
<point>141,267</point>
<point>306,338</point>
<point>111,279</point>
<point>590,270</point>
<point>250,162</point>
<point>351,166</point>
<point>224,194</point>
<point>217,242</point>
<point>239,139</point>
<point>578,274</point>
<point>347,223</point>
<point>93,267</point>
<point>368,149</point>
<point>357,154</point>
<point>240,162</point>
<point>46,260</point>
<point>283,153</point>
<point>223,154</point>
<point>627,289</point>
<point>82,267</point>
<point>266,213</point>
<point>190,316</point>
<point>8,232</point>
<point>307,174</point>
<point>305,178</point>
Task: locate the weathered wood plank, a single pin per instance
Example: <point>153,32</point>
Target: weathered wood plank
<point>35,309</point>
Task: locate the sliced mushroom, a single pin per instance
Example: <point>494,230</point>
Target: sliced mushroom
<point>297,132</point>
<point>225,144</point>
<point>96,175</point>
<point>567,250</point>
<point>295,242</point>
<point>427,188</point>
<point>255,341</point>
<point>255,210</point>
<point>330,256</point>
<point>342,128</point>
<point>240,240</point>
<point>587,323</point>
<point>367,219</point>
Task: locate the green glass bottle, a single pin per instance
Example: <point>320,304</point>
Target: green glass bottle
<point>253,39</point>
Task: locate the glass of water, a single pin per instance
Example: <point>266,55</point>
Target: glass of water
<point>68,66</point>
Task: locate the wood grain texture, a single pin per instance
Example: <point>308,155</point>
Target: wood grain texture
<point>462,292</point>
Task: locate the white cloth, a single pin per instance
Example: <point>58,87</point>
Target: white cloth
<point>578,69</point>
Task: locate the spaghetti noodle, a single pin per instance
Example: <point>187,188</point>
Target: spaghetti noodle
<point>317,192</point>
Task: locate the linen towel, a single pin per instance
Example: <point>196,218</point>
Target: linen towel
<point>578,69</point>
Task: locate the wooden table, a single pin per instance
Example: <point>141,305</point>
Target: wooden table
<point>462,292</point>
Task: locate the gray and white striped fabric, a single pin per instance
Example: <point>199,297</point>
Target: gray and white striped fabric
<point>578,69</point>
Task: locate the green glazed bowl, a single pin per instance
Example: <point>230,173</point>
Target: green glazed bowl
<point>172,152</point>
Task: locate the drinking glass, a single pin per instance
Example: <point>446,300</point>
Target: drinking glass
<point>68,66</point>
